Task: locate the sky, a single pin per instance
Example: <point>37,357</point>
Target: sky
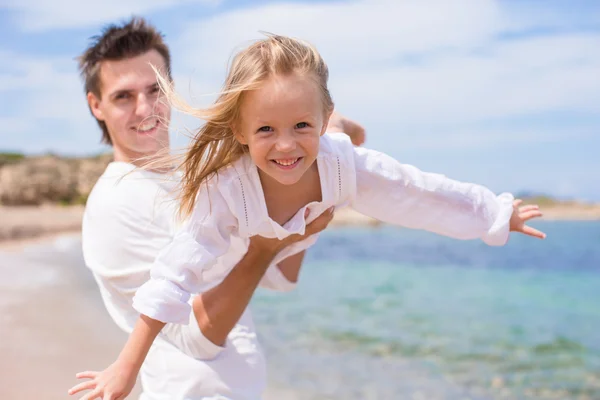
<point>504,93</point>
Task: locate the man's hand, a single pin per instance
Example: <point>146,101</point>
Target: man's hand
<point>339,123</point>
<point>275,245</point>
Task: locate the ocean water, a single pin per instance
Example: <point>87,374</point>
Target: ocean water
<point>392,313</point>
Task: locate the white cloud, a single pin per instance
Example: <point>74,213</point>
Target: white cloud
<point>432,80</point>
<point>404,68</point>
<point>492,138</point>
<point>49,93</point>
<point>349,35</point>
<point>42,15</point>
<point>429,66</point>
<point>512,79</point>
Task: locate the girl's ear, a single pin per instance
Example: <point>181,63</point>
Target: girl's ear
<point>238,135</point>
<point>325,123</point>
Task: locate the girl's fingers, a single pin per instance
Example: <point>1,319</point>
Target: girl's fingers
<point>86,374</point>
<point>82,386</point>
<point>96,394</point>
<point>525,216</point>
<point>533,232</point>
<point>529,208</point>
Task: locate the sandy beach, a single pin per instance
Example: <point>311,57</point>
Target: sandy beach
<point>27,224</point>
<point>54,323</point>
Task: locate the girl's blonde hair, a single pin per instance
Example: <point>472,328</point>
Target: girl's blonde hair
<point>214,146</point>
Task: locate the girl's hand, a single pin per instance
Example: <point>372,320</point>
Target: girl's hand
<point>114,383</point>
<point>523,214</point>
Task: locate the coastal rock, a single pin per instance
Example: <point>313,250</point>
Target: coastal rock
<point>50,179</point>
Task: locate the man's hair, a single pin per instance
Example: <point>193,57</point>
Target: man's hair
<point>117,42</point>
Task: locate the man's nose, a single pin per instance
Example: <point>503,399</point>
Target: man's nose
<point>144,105</point>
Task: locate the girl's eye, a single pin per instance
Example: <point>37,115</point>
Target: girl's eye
<point>302,125</point>
<point>265,129</point>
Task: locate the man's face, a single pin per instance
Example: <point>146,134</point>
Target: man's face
<point>132,107</point>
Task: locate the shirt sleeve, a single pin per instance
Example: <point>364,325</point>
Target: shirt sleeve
<point>403,195</point>
<point>178,269</point>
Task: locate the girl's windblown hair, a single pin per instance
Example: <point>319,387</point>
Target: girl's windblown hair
<point>214,145</point>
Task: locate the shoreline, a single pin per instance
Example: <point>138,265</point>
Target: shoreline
<point>20,226</point>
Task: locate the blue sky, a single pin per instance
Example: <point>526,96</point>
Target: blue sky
<point>503,93</point>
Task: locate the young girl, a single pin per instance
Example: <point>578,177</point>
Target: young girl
<point>262,166</point>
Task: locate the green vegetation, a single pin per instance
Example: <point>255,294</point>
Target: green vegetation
<point>75,201</point>
<point>10,158</point>
<point>543,201</point>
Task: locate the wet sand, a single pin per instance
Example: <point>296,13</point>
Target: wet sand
<point>53,323</point>
<point>17,223</point>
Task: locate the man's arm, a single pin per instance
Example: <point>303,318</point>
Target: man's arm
<point>340,123</point>
<point>290,267</point>
<point>220,308</point>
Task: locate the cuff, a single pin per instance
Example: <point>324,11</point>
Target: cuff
<point>498,234</point>
<point>164,301</point>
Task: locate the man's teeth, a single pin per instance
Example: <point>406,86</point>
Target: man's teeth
<point>148,126</point>
<point>286,163</point>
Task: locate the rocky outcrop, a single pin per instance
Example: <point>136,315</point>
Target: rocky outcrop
<point>49,179</point>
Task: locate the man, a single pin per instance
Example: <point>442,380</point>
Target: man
<point>130,217</point>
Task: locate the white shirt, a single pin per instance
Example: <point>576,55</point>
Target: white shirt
<point>129,218</point>
<point>231,209</point>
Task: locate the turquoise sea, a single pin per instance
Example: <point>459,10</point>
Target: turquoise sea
<point>392,313</point>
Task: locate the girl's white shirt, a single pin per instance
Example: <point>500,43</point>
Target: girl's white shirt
<point>231,208</point>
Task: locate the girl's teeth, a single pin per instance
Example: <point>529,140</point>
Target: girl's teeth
<point>286,162</point>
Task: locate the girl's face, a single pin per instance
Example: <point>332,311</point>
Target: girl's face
<point>281,123</point>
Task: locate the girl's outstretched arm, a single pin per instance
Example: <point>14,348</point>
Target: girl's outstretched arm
<point>117,381</point>
<point>403,195</point>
